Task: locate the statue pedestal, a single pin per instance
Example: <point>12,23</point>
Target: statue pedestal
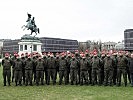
<point>29,44</point>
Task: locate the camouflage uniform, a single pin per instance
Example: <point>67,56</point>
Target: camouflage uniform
<point>128,71</point>
<point>13,59</point>
<point>23,69</point>
<point>6,63</point>
<point>74,71</point>
<point>45,68</point>
<point>51,70</point>
<point>57,65</point>
<point>90,69</point>
<point>68,67</point>
<point>34,67</point>
<point>40,71</point>
<point>96,71</point>
<point>108,71</point>
<point>102,69</point>
<point>62,70</point>
<point>29,71</point>
<point>122,64</point>
<point>18,71</point>
<point>83,71</point>
<point>115,69</point>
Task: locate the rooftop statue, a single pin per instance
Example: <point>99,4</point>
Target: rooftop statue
<point>31,25</point>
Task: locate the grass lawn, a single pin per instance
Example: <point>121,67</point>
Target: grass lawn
<point>64,92</point>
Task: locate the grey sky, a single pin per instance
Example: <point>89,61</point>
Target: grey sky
<point>72,19</point>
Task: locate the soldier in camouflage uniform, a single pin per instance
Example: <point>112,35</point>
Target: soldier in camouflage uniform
<point>102,67</point>
<point>13,59</point>
<point>68,58</point>
<point>96,69</point>
<point>39,71</point>
<point>74,70</point>
<point>51,69</point>
<point>23,67</point>
<point>122,64</point>
<point>108,70</point>
<point>62,70</point>
<point>128,71</point>
<point>114,57</point>
<point>57,64</point>
<point>29,70</point>
<point>90,67</point>
<point>6,63</point>
<point>45,67</point>
<point>34,66</point>
<point>18,64</point>
<point>84,70</point>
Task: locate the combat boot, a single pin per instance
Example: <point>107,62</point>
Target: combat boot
<point>16,84</point>
<point>71,82</point>
<point>20,83</point>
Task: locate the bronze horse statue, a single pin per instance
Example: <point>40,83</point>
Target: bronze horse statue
<point>31,25</point>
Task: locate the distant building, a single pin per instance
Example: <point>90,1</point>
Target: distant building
<point>108,45</point>
<point>119,46</point>
<point>48,45</point>
<point>128,39</point>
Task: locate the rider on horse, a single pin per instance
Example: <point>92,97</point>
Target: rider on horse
<point>31,24</point>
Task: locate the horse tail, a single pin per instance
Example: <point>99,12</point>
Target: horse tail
<point>38,30</point>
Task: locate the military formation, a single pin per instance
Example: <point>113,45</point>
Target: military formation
<point>78,68</point>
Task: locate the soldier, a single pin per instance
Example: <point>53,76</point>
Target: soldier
<point>6,63</point>
<point>115,68</point>
<point>128,71</point>
<point>74,70</point>
<point>122,64</point>
<point>131,68</point>
<point>96,69</point>
<point>34,66</point>
<point>68,58</point>
<point>13,59</point>
<point>51,69</point>
<point>39,71</point>
<point>45,66</point>
<point>62,70</point>
<point>23,67</point>
<point>29,70</point>
<point>18,64</point>
<point>89,58</point>
<point>84,70</point>
<point>108,70</point>
<point>57,63</point>
<point>102,67</point>
<point>78,57</point>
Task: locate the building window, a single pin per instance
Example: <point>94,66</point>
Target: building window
<point>25,47</point>
<point>21,47</point>
<point>34,47</point>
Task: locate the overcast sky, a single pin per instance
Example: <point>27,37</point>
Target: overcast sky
<point>71,19</point>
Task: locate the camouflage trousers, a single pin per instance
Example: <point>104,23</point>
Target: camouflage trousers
<point>28,76</point>
<point>83,76</point>
<point>52,74</point>
<point>62,73</point>
<point>96,76</point>
<point>18,76</point>
<point>7,75</point>
<point>121,71</point>
<point>108,76</point>
<point>74,75</point>
<point>39,76</point>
